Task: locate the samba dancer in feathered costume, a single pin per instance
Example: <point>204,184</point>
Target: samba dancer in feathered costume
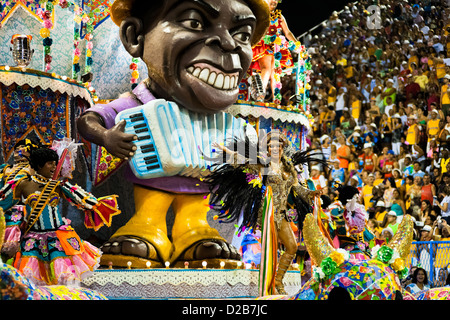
<point>246,175</point>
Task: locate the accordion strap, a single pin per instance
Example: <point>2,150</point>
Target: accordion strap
<point>40,204</point>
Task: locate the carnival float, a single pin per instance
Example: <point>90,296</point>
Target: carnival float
<point>169,211</point>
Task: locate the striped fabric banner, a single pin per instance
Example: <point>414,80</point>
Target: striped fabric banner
<point>268,248</point>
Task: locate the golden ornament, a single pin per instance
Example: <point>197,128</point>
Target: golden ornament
<point>318,246</point>
<point>402,240</point>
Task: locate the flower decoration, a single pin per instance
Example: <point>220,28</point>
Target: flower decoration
<point>47,25</point>
<point>385,254</point>
<point>389,256</point>
<point>76,54</point>
<point>330,263</point>
<point>337,257</point>
<point>304,68</point>
<point>88,19</point>
<point>134,72</point>
<point>254,180</point>
<point>292,214</point>
<point>45,13</point>
<point>63,4</point>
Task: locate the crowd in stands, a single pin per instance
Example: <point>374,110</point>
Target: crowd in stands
<point>380,99</point>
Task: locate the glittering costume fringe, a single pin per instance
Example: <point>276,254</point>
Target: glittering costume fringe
<point>268,248</point>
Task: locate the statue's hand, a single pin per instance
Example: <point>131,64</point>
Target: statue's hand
<point>119,143</point>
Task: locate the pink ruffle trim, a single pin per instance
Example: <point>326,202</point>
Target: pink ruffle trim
<point>12,234</point>
<point>68,270</point>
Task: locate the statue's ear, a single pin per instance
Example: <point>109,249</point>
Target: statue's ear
<point>132,37</point>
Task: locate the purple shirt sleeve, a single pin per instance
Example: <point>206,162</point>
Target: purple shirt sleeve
<point>175,184</point>
<point>109,111</point>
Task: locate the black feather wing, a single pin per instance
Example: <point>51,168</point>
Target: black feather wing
<point>302,157</point>
<point>232,194</point>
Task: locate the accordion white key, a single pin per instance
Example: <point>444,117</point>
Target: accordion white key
<point>171,140</point>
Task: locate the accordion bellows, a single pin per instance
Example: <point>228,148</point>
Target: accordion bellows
<point>171,140</point>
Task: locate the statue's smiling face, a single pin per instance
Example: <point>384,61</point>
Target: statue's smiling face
<point>199,51</point>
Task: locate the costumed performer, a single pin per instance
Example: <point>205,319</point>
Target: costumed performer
<point>176,40</point>
<point>272,54</point>
<point>15,286</point>
<point>350,219</point>
<point>239,185</point>
<point>14,216</point>
<point>50,251</point>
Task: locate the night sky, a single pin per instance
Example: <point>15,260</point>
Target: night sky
<point>304,15</point>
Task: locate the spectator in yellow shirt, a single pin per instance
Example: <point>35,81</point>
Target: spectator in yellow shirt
<point>379,178</point>
<point>374,227</point>
<point>380,211</point>
<point>412,134</point>
<point>445,95</point>
<point>413,59</point>
<point>389,91</point>
<point>355,105</point>
<point>349,72</point>
<point>433,126</point>
<point>367,192</point>
<point>421,79</point>
<point>440,67</point>
<point>341,61</point>
<point>331,93</point>
<point>444,160</point>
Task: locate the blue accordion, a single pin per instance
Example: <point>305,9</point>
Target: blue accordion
<point>171,139</point>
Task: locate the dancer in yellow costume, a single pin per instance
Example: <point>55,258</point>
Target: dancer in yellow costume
<point>173,38</point>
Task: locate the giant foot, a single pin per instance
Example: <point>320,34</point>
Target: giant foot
<point>118,251</point>
<point>213,252</point>
<point>121,250</point>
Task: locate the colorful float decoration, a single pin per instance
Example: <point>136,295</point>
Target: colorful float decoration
<point>375,278</point>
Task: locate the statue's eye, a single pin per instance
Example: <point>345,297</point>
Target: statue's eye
<point>243,33</point>
<point>192,19</point>
<point>243,37</point>
<point>192,24</point>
